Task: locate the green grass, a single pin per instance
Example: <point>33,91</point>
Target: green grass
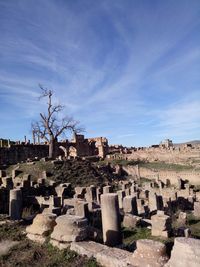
<point>130,235</point>
<point>28,253</point>
<point>166,166</point>
<point>194,224</point>
<point>12,231</point>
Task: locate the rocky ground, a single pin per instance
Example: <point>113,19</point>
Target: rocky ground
<point>16,250</point>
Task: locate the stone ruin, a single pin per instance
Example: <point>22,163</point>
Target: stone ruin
<point>79,146</point>
<point>73,217</point>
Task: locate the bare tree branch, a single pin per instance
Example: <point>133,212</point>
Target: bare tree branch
<point>50,127</point>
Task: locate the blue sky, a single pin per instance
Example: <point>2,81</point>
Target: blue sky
<point>127,69</point>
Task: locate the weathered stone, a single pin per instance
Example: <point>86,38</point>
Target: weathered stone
<point>90,195</point>
<point>114,257</point>
<point>107,189</point>
<point>149,253</point>
<point>131,221</point>
<point>81,208</point>
<point>69,228</point>
<point>197,209</point>
<point>161,224</point>
<point>15,205</point>
<point>182,218</point>
<point>110,219</point>
<point>185,252</point>
<point>7,182</point>
<point>41,227</point>
<point>121,194</point>
<point>130,205</point>
<point>106,256</point>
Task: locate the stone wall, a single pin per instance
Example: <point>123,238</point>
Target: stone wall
<point>175,155</point>
<point>192,176</point>
<point>18,153</point>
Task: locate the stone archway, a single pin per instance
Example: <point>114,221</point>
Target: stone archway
<point>64,149</point>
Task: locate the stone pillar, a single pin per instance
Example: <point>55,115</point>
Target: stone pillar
<point>152,201</point>
<point>161,225</point>
<point>98,194</point>
<point>121,194</point>
<point>81,209</point>
<point>7,182</point>
<point>110,219</point>
<point>90,195</point>
<point>130,205</point>
<point>107,189</point>
<point>15,206</point>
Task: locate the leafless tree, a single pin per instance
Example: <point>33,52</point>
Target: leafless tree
<point>50,127</point>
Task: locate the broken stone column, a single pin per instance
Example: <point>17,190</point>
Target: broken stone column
<point>152,201</point>
<point>15,204</point>
<point>7,182</point>
<point>140,206</point>
<point>131,221</point>
<point>121,194</point>
<point>62,191</point>
<point>4,200</point>
<point>149,253</point>
<point>98,194</point>
<point>80,192</point>
<point>90,195</point>
<point>107,189</point>
<point>130,205</point>
<point>161,224</point>
<point>110,219</point>
<point>69,228</point>
<point>81,208</point>
<point>182,218</point>
<point>41,227</point>
<point>26,181</point>
<point>197,209</point>
<point>185,252</point>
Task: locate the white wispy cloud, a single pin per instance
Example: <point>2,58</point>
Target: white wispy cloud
<point>107,62</point>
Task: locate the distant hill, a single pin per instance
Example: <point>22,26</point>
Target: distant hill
<point>193,142</point>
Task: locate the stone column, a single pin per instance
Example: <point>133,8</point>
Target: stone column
<point>110,219</point>
<point>107,189</point>
<point>121,194</point>
<point>161,224</point>
<point>130,205</point>
<point>15,205</point>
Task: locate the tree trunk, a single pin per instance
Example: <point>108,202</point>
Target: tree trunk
<point>51,147</point>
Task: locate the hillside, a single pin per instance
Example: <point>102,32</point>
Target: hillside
<point>77,172</point>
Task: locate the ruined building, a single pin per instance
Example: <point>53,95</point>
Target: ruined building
<point>79,146</point>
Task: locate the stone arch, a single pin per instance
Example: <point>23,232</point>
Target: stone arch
<point>64,149</point>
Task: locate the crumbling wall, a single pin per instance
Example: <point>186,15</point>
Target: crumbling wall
<point>18,153</point>
<point>192,176</point>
